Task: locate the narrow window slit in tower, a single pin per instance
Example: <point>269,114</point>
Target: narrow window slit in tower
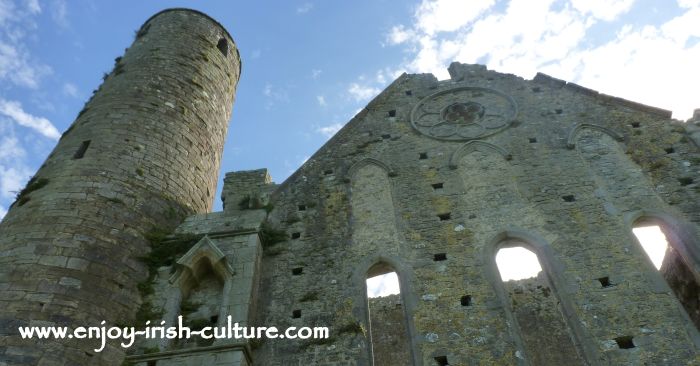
<point>533,140</point>
<point>392,113</point>
<point>423,156</point>
<point>223,46</point>
<point>297,271</point>
<point>670,150</point>
<point>296,314</point>
<point>440,257</point>
<point>81,150</point>
<point>568,198</point>
<point>437,185</point>
<point>296,235</point>
<point>445,216</point>
<point>466,300</point>
<point>441,361</point>
<point>625,342</point>
<point>605,281</point>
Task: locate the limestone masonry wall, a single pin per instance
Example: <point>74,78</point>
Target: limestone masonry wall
<point>429,181</point>
<point>141,155</point>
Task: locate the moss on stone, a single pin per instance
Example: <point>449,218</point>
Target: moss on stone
<point>33,185</point>
<point>270,235</point>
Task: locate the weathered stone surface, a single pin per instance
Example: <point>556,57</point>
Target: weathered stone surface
<point>429,180</point>
<point>141,155</point>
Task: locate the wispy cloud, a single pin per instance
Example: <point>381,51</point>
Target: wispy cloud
<point>274,95</point>
<point>33,6</point>
<point>12,179</point>
<point>362,93</point>
<point>330,130</point>
<point>315,73</point>
<point>305,8</point>
<point>321,100</point>
<point>59,13</point>
<point>10,149</point>
<point>14,111</point>
<point>71,90</point>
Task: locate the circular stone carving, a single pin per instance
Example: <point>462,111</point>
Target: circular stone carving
<point>464,113</point>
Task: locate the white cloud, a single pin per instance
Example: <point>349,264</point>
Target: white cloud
<point>448,15</point>
<point>315,73</point>
<point>603,9</point>
<point>331,130</point>
<point>10,149</point>
<point>12,179</point>
<point>653,64</point>
<point>42,125</point>
<point>16,66</point>
<point>305,8</point>
<point>689,3</point>
<point>321,100</point>
<point>71,90</point>
<point>362,92</point>
<point>399,34</point>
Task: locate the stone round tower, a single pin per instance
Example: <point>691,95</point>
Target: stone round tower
<point>142,154</point>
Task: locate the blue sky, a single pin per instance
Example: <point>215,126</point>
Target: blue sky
<point>309,66</point>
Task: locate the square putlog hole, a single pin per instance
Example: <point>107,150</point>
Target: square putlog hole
<point>437,185</point>
<point>302,207</point>
<point>438,257</point>
<point>532,140</point>
<point>297,271</point>
<point>296,314</point>
<point>445,216</point>
<point>625,342</point>
<point>392,113</point>
<point>423,156</point>
<point>441,361</point>
<point>296,235</point>
<point>605,281</point>
<point>466,300</point>
<point>568,198</point>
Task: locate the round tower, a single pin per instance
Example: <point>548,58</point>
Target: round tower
<point>141,155</point>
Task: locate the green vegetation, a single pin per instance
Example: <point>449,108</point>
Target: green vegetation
<point>254,203</point>
<point>309,296</point>
<point>164,251</point>
<point>271,235</point>
<point>33,185</point>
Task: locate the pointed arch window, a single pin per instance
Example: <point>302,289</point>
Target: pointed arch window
<point>672,257</point>
<point>388,327</point>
